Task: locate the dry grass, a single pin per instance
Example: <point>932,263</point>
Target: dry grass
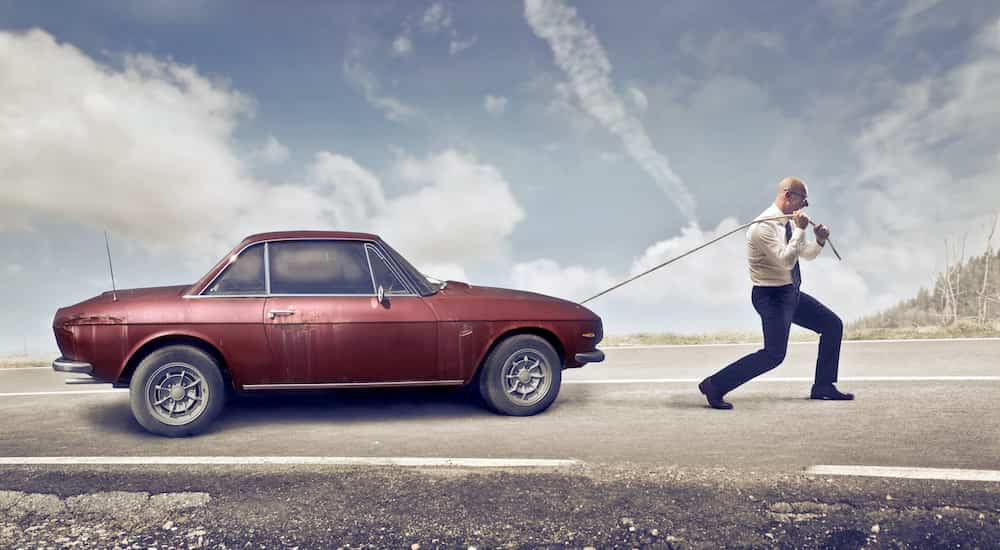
<point>23,361</point>
<point>733,337</point>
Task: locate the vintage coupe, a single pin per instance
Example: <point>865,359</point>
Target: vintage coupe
<point>315,310</point>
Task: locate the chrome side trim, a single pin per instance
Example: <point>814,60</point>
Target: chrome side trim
<point>76,381</point>
<point>339,385</point>
<point>68,365</point>
<point>231,296</point>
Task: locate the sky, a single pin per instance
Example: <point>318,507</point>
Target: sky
<point>545,145</point>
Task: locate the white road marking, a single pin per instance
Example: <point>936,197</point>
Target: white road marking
<point>65,392</point>
<point>297,460</point>
<point>812,342</point>
<point>795,379</point>
<point>950,474</point>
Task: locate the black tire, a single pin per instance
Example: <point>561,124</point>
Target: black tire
<point>172,376</point>
<point>508,381</point>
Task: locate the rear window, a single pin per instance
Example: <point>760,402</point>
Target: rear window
<point>319,267</point>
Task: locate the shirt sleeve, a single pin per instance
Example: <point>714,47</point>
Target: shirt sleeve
<point>765,237</point>
<point>809,249</point>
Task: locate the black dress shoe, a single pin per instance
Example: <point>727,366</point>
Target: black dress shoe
<point>829,392</point>
<point>713,395</point>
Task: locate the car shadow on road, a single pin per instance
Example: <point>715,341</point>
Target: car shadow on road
<point>346,406</point>
<point>354,405</point>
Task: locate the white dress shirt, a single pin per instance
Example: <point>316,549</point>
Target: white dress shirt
<point>771,259</point>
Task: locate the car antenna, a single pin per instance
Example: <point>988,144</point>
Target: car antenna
<point>114,291</point>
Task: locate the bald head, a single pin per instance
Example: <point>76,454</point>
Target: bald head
<point>792,193</point>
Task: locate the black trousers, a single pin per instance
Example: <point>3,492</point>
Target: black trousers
<point>779,307</point>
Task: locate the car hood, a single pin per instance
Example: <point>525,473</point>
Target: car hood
<point>148,293</point>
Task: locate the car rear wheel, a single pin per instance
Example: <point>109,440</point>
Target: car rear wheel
<point>177,391</point>
<point>521,376</point>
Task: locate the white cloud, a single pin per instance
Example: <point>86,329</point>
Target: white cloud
<point>580,55</point>
<point>148,152</point>
<point>359,75</point>
<point>402,46</point>
<point>436,18</point>
<point>461,210</point>
<point>638,98</point>
<point>135,150</point>
<point>272,151</point>
<point>725,47</point>
<point>456,46</point>
<point>14,269</point>
<point>495,105</point>
<point>713,280</point>
<point>444,271</point>
<point>914,17</point>
<point>548,277</point>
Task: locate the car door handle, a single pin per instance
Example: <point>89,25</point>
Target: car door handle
<point>280,312</point>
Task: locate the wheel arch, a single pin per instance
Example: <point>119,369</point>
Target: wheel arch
<point>163,340</point>
<point>543,333</point>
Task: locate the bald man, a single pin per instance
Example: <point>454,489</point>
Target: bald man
<point>773,252</point>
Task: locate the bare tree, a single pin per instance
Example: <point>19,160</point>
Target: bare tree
<point>953,281</point>
<point>982,316</point>
<point>950,298</point>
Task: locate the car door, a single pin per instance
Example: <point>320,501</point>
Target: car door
<point>325,324</point>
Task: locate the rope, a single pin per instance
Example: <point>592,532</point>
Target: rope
<point>693,250</point>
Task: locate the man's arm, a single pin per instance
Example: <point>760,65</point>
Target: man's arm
<point>766,238</point>
<point>810,250</point>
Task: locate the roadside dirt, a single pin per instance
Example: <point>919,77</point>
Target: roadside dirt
<point>622,506</point>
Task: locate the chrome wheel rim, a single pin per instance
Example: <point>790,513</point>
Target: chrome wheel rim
<point>176,393</point>
<point>526,377</point>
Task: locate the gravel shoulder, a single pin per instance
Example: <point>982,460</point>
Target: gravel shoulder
<point>622,506</point>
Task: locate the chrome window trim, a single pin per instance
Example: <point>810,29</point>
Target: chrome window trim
<point>371,272</point>
<point>392,267</point>
<point>267,267</point>
<point>267,270</point>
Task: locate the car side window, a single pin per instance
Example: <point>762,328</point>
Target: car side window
<point>243,276</point>
<point>384,274</point>
<point>319,267</point>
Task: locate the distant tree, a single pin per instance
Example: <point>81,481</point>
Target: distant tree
<point>966,290</point>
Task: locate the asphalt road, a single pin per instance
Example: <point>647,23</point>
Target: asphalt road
<point>600,416</point>
<point>649,451</point>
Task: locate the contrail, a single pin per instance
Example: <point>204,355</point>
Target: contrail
<point>580,55</point>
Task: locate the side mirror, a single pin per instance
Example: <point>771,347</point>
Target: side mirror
<point>382,298</point>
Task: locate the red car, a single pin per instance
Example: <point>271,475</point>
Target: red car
<point>314,310</point>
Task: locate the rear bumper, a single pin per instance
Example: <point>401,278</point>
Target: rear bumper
<point>595,356</point>
<point>68,365</point>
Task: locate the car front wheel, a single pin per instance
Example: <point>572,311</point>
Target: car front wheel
<point>177,391</point>
<point>521,376</point>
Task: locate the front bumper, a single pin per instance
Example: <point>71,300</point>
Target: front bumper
<point>595,356</point>
<point>68,365</point>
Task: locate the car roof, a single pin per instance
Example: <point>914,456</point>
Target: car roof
<point>274,235</point>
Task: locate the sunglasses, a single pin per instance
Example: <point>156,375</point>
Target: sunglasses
<point>805,199</point>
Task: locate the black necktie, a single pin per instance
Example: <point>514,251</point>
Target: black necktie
<point>796,274</point>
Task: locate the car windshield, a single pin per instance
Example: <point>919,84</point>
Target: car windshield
<point>425,285</point>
